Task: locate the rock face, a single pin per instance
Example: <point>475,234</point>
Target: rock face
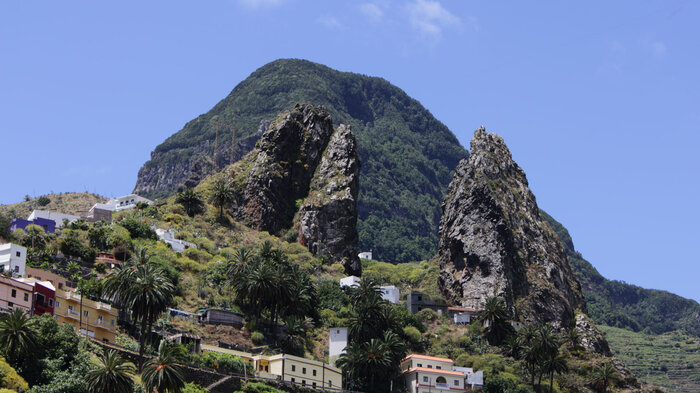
<point>301,167</point>
<point>492,241</point>
<point>328,216</point>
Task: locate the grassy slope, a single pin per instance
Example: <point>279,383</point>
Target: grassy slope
<point>68,203</point>
<point>407,155</point>
<point>670,360</point>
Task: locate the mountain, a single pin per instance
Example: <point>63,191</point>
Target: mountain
<point>494,242</point>
<point>618,304</point>
<point>407,155</point>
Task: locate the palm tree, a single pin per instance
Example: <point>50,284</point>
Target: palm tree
<point>494,317</point>
<point>17,336</point>
<point>572,338</point>
<point>191,201</point>
<point>546,343</point>
<point>163,374</point>
<point>554,365</point>
<point>603,375</point>
<point>112,375</point>
<point>221,195</point>
<point>145,290</point>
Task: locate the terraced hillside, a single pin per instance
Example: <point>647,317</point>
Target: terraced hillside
<point>670,360</point>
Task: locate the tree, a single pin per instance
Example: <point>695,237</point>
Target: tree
<point>112,375</point>
<point>191,201</point>
<point>17,336</point>
<point>554,365</point>
<point>5,232</point>
<point>604,375</point>
<point>222,195</point>
<point>145,290</point>
<point>494,318</point>
<point>163,373</point>
<point>35,238</point>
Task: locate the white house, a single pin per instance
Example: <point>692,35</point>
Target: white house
<point>125,202</point>
<point>13,258</point>
<point>168,236</point>
<point>390,293</point>
<point>337,342</point>
<point>350,281</point>
<point>365,255</point>
<point>57,217</point>
<point>425,374</point>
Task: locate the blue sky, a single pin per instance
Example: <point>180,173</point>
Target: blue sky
<point>598,101</point>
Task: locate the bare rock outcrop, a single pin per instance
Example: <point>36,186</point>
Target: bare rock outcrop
<point>492,241</point>
<point>328,216</point>
<point>303,175</point>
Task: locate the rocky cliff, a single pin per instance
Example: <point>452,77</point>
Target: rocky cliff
<point>303,176</point>
<point>407,155</point>
<point>493,241</point>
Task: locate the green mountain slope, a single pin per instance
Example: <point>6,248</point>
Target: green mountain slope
<point>616,303</point>
<point>407,155</point>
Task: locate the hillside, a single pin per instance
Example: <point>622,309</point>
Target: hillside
<point>407,156</point>
<point>66,202</point>
<point>670,360</point>
<point>623,305</point>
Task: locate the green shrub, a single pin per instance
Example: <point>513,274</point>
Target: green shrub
<point>10,379</point>
<point>427,315</point>
<point>412,334</point>
<point>258,387</point>
<point>258,338</point>
<point>225,362</point>
<point>193,388</point>
<point>100,267</point>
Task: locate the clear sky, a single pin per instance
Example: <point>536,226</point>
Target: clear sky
<point>598,101</point>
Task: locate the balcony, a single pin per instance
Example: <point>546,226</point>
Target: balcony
<point>441,386</point>
<point>103,306</point>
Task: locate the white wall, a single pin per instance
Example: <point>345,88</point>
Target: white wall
<point>10,261</point>
<point>349,281</point>
<point>391,293</point>
<point>338,341</point>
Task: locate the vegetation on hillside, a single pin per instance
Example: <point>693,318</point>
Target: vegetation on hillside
<point>407,155</point>
<point>670,360</point>
<point>616,303</point>
<point>65,202</point>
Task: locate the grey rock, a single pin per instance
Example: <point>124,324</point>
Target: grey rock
<point>492,241</point>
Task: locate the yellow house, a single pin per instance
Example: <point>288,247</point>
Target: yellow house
<point>99,320</point>
<point>289,368</point>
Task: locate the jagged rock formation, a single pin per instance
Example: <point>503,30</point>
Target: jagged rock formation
<point>302,165</point>
<point>328,216</point>
<point>407,154</point>
<point>492,241</point>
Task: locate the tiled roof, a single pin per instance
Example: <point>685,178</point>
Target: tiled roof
<point>437,371</point>
<point>417,356</point>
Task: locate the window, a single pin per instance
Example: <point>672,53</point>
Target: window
<point>294,368</point>
<point>430,366</point>
<point>303,370</point>
<point>18,254</point>
<point>425,379</point>
<point>420,365</point>
<point>456,382</point>
<point>303,382</point>
<point>314,373</point>
<point>99,319</point>
<point>438,367</point>
<point>58,304</point>
<point>16,269</point>
<point>330,383</point>
<point>14,293</point>
<point>293,380</point>
<point>70,309</point>
<point>314,384</point>
<point>50,302</point>
<point>85,313</point>
<point>112,322</point>
<point>60,285</point>
<point>26,297</point>
<point>10,304</point>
